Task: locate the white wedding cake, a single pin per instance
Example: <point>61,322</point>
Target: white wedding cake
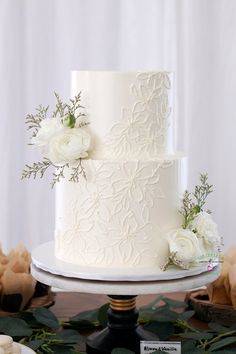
<point>120,214</point>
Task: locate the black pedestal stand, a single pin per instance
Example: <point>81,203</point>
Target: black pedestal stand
<point>122,330</point>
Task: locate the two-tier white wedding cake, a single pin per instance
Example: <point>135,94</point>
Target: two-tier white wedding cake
<point>120,214</point>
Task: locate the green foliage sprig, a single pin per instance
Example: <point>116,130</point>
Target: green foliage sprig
<point>173,260</point>
<point>77,171</point>
<point>37,168</point>
<point>193,202</point>
<point>71,108</point>
<point>33,120</point>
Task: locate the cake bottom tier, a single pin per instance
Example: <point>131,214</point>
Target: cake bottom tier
<point>119,216</point>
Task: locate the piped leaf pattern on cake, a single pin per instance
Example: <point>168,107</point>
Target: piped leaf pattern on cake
<point>143,126</point>
<point>118,199</point>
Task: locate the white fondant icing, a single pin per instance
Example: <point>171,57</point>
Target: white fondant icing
<point>130,113</point>
<point>119,216</point>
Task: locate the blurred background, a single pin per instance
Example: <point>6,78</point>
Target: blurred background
<point>42,41</point>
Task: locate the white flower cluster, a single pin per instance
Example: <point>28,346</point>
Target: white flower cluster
<point>201,238</point>
<point>60,143</point>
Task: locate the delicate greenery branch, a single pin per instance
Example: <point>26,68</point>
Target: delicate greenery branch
<point>173,260</point>
<point>194,202</point>
<point>37,169</point>
<point>58,175</point>
<point>202,191</point>
<point>33,120</point>
<point>64,109</point>
<point>77,171</point>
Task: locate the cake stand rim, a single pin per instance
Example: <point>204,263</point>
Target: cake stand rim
<point>43,258</point>
<point>122,287</point>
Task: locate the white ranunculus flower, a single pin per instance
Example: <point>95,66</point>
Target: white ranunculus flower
<point>68,146</point>
<point>48,128</point>
<point>185,245</point>
<point>206,229</point>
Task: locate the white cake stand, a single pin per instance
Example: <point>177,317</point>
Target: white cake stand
<point>123,330</point>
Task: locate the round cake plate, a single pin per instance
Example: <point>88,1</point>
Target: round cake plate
<point>43,257</point>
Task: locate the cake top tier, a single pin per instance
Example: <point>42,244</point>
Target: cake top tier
<point>130,113</point>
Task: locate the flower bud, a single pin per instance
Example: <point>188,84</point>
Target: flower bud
<point>69,121</point>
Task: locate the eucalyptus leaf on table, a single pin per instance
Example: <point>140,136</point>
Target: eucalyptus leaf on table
<point>186,315</point>
<point>160,314</point>
<point>164,330</point>
<point>35,344</point>
<point>29,318</point>
<point>90,315</point>
<point>160,352</point>
<point>197,351</point>
<point>152,305</point>
<point>46,317</point>
<point>126,351</point>
<point>14,327</point>
<point>80,325</point>
<point>62,350</point>
<point>216,327</point>
<point>121,351</point>
<point>69,336</point>
<point>102,315</point>
<point>88,320</point>
<point>197,336</point>
<point>224,351</point>
<point>188,346</point>
<point>174,304</point>
<point>222,343</point>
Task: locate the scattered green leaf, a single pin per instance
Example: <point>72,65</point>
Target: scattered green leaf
<point>184,316</point>
<point>163,330</point>
<point>14,327</point>
<point>121,351</point>
<point>91,315</point>
<point>198,336</point>
<point>151,305</point>
<point>102,315</point>
<point>81,325</point>
<point>46,317</point>
<point>222,343</point>
<point>174,304</point>
<point>216,327</point>
<point>188,346</point>
<point>35,344</point>
<point>69,336</point>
